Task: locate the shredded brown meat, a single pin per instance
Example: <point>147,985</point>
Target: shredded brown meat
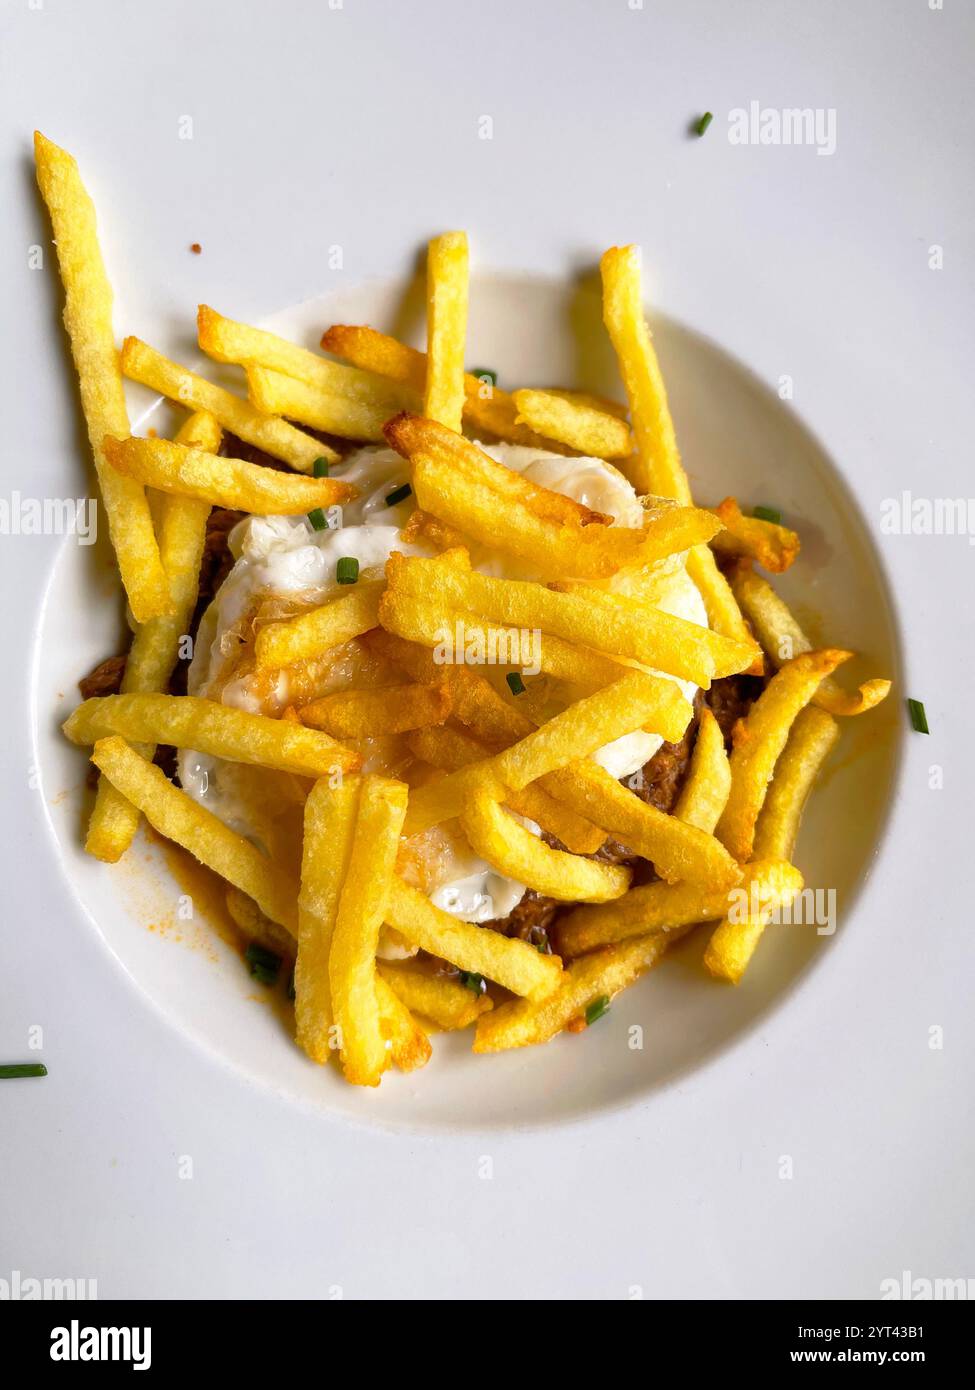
<point>105,679</point>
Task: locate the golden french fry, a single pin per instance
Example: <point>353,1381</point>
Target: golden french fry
<point>665,908</point>
<point>189,721</point>
<point>762,737</point>
<point>451,749</point>
<point>724,615</point>
<point>575,422</point>
<point>226,340</point>
<point>314,632</point>
<point>361,911</point>
<point>223,482</point>
<point>516,852</point>
<point>783,638</point>
<point>367,713</point>
<point>813,735</point>
<point>447,289</point>
<point>704,794</point>
<point>609,623</point>
<point>657,468</point>
<point>140,362</point>
<point>446,1003</point>
<point>487,408</point>
<point>772,546</point>
<point>350,417</point>
<point>178,817</point>
<point>88,320</point>
<point>507,961</point>
<point>409,1046</point>
<point>255,925</point>
<point>329,828</point>
<point>734,940</point>
<point>677,849</point>
<point>523,1022</point>
<point>605,404</point>
<point>155,646</point>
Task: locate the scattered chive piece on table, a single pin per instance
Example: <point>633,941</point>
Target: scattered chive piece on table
<point>16,1069</point>
<point>919,720</point>
<point>318,519</point>
<point>264,964</point>
<point>398,494</point>
<point>704,122</point>
<point>485,374</point>
<point>768,514</point>
<point>472,981</point>
<point>320,468</point>
<point>347,570</point>
<point>515,683</point>
<point>598,1007</point>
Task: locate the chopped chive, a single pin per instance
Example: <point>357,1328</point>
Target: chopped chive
<point>347,570</point>
<point>472,981</point>
<point>398,494</point>
<point>292,992</point>
<point>264,964</point>
<point>320,468</point>
<point>485,374</point>
<point>318,519</point>
<point>598,1007</point>
<point>704,122</point>
<point>12,1071</point>
<point>515,683</point>
<point>919,720</point>
<point>768,514</point>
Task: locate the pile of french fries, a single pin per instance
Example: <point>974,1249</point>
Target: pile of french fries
<point>477,758</point>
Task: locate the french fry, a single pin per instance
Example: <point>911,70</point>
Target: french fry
<point>772,546</point>
<point>350,417</point>
<point>329,828</point>
<point>361,911</point>
<point>677,849</point>
<point>734,940</point>
<point>783,638</point>
<point>657,468</point>
<point>451,749</point>
<point>88,320</point>
<point>226,340</point>
<point>813,735</point>
<point>571,421</point>
<point>415,437</point>
<point>365,713</point>
<point>704,794</point>
<point>409,1046</point>
<point>155,646</point>
<point>487,408</point>
<point>606,622</point>
<point>762,737</point>
<point>178,817</point>
<point>140,362</point>
<point>446,1003</point>
<point>314,632</point>
<point>511,963</point>
<point>524,1022</point>
<point>516,852</point>
<point>724,615</point>
<point>223,482</point>
<point>665,908</point>
<point>189,721</point>
<point>605,404</point>
<point>447,290</point>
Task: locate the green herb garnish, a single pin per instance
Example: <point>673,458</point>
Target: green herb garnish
<point>515,683</point>
<point>704,122</point>
<point>768,514</point>
<point>596,1009</point>
<point>15,1069</point>
<point>320,468</point>
<point>485,374</point>
<point>919,720</point>
<point>472,981</point>
<point>398,494</point>
<point>264,965</point>
<point>318,519</point>
<point>347,570</point>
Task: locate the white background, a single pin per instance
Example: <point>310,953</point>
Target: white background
<point>359,127</point>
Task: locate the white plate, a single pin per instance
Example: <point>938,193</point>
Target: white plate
<point>180,1145</point>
